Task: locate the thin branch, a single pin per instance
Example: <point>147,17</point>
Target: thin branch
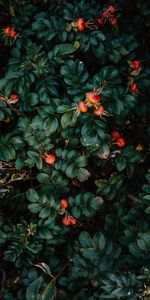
<point>135,199</point>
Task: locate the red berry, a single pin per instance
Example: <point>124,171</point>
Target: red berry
<point>106,14</point>
<point>134,87</point>
<point>49,158</point>
<point>92,97</point>
<point>64,203</point>
<point>136,64</point>
<point>66,221</point>
<point>120,142</point>
<point>13,34</point>
<point>13,98</point>
<point>82,107</point>
<point>100,21</point>
<point>112,9</point>
<point>81,24</point>
<point>113,22</point>
<point>73,221</point>
<point>115,135</point>
<point>7,30</point>
<point>99,111</point>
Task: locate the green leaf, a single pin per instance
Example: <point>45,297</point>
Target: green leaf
<point>134,250</point>
<point>76,212</point>
<point>34,207</point>
<point>63,49</point>
<point>63,108</point>
<point>3,237</point>
<point>117,293</point>
<point>69,119</point>
<point>16,140</point>
<point>146,197</point>
<point>39,163</point>
<point>44,233</point>
<point>99,241</point>
<point>89,253</point>
<point>129,101</point>
<point>44,213</point>
<point>44,267</point>
<point>19,163</point>
<point>115,56</point>
<point>70,171</point>
<point>85,239</point>
<point>81,161</point>
<point>33,99</point>
<point>43,178</point>
<point>32,195</point>
<point>118,107</point>
<point>2,115</point>
<point>121,163</point>
<point>100,36</point>
<point>49,293</point>
<point>7,153</point>
<point>33,155</point>
<point>147,210</point>
<point>33,289</point>
<point>82,174</point>
<point>50,126</point>
<point>3,82</point>
<point>141,244</point>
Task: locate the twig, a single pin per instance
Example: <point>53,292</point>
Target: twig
<point>57,276</point>
<point>135,199</point>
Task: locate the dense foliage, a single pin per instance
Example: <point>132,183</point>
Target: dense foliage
<point>74,151</point>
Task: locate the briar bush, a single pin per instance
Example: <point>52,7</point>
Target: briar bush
<point>75,182</point>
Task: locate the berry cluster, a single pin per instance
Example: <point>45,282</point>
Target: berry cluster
<point>9,31</point>
<point>12,99</point>
<point>120,141</point>
<point>108,15</point>
<point>135,68</point>
<point>92,100</point>
<point>67,220</point>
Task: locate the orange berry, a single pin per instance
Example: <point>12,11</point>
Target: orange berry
<point>7,30</point>
<point>64,203</point>
<point>81,24</point>
<point>99,111</point>
<point>82,107</point>
<point>73,221</point>
<point>49,158</point>
<point>66,221</point>
<point>92,97</point>
<point>13,98</point>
